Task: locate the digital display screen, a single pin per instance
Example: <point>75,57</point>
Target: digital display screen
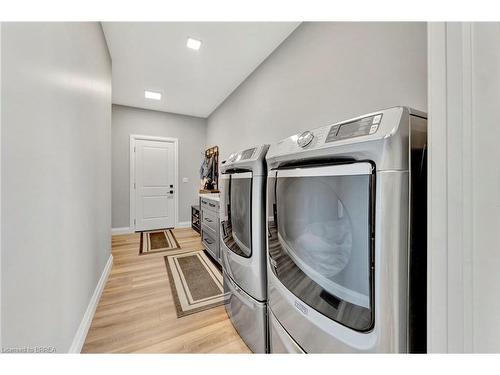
<point>349,130</point>
<point>354,129</point>
<point>247,154</point>
<point>332,134</point>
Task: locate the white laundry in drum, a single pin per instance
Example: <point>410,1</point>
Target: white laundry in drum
<point>326,246</point>
<point>310,262</point>
<point>316,231</point>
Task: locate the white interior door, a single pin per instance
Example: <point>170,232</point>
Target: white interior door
<point>154,185</point>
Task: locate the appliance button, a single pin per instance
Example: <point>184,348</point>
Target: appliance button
<point>373,129</point>
<point>376,119</point>
<point>305,138</point>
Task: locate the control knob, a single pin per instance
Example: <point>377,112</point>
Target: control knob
<point>305,138</point>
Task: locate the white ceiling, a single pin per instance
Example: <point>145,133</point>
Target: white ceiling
<point>153,56</point>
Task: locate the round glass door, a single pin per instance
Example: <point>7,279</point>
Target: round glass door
<point>320,241</point>
<point>237,222</point>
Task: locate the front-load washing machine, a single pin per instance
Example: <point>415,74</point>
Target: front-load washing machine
<point>243,244</point>
<point>346,241</point>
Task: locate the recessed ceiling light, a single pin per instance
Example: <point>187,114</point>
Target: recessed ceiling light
<point>193,44</point>
<point>152,95</point>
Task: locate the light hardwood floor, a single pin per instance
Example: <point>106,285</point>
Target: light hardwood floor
<point>136,313</point>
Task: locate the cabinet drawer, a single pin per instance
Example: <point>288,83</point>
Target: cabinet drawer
<point>209,204</point>
<point>210,219</point>
<point>211,243</point>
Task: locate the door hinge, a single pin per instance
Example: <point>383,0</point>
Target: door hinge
<point>134,221</point>
<point>134,148</point>
<point>134,185</point>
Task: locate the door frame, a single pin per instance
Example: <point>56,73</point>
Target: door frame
<point>175,141</point>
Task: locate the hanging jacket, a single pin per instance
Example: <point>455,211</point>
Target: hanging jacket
<point>207,167</point>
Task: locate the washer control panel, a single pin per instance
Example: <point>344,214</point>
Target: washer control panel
<point>247,154</point>
<point>251,159</point>
<point>243,155</point>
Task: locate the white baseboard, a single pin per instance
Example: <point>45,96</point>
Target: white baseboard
<point>83,329</point>
<point>183,224</point>
<point>122,230</point>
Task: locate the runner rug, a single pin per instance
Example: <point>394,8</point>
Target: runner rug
<point>195,281</point>
<point>157,241</point>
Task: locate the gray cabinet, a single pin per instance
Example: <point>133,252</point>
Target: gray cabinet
<point>209,217</point>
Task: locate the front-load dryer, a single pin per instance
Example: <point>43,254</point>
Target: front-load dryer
<point>243,244</point>
<point>346,241</point>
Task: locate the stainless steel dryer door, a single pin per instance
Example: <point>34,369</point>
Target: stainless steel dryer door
<point>320,238</point>
<point>243,257</point>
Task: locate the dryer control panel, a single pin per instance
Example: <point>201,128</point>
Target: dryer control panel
<point>369,127</point>
<point>365,126</point>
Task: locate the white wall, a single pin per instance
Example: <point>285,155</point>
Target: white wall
<point>464,188</point>
<point>56,182</point>
<point>324,72</point>
<point>191,134</point>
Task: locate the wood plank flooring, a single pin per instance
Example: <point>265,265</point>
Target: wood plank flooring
<point>136,313</point>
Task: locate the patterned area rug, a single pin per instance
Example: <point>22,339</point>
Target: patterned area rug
<point>196,282</point>
<point>157,241</point>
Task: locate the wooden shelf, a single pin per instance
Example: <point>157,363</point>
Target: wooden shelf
<point>203,191</point>
<point>195,218</point>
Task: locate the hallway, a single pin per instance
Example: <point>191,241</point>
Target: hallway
<point>136,313</point>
